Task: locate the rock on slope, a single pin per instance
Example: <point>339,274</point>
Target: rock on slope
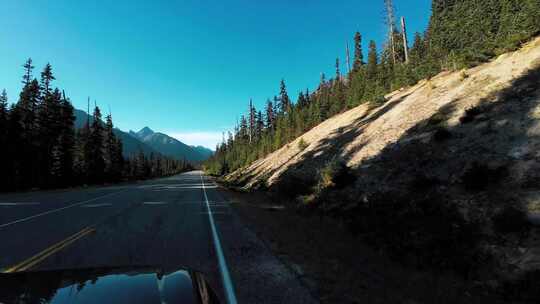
<point>363,132</point>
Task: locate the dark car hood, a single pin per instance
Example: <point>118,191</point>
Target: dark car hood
<point>106,285</point>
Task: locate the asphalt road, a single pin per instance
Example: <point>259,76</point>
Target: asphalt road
<point>181,221</point>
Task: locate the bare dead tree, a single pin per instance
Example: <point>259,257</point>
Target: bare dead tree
<point>390,23</point>
<point>348,58</point>
<point>405,44</point>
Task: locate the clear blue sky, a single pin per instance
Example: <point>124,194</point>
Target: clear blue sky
<point>187,68</point>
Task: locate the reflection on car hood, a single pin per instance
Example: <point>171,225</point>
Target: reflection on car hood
<point>106,285</point>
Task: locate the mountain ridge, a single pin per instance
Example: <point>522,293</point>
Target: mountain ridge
<point>171,146</point>
<point>148,141</point>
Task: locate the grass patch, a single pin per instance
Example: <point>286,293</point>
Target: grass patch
<point>437,119</point>
<point>302,144</point>
<point>335,174</point>
<point>463,75</point>
<point>377,102</point>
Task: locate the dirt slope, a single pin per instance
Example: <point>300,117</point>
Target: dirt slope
<point>362,133</point>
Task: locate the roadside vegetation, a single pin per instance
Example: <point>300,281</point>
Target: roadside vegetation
<point>41,148</point>
<point>460,34</point>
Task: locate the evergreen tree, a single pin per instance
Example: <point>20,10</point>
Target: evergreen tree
<point>259,126</point>
<point>371,72</point>
<point>284,97</point>
<point>66,142</point>
<point>358,56</point>
<point>15,169</point>
<point>252,120</point>
<point>4,123</point>
<point>338,72</point>
<point>113,154</point>
<point>96,161</point>
<point>269,115</point>
<point>28,68</point>
<point>46,79</point>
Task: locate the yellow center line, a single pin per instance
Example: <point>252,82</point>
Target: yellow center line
<point>32,261</point>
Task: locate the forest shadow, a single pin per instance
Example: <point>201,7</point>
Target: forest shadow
<point>442,196</point>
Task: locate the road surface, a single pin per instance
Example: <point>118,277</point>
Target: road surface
<point>180,221</point>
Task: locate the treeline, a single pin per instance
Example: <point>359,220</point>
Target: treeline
<point>460,34</point>
<point>41,148</point>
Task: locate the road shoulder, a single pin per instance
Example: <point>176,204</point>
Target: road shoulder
<point>338,267</point>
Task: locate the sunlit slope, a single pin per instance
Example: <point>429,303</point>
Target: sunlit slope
<point>364,132</point>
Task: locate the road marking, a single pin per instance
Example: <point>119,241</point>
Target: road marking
<point>32,261</point>
<point>96,205</point>
<point>227,282</point>
<point>57,210</point>
<point>20,204</point>
<point>154,203</point>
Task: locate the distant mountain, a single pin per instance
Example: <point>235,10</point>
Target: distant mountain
<point>171,147</point>
<point>149,141</point>
<point>203,151</point>
<point>131,146</point>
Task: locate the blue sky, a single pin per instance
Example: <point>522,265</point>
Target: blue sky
<point>186,68</point>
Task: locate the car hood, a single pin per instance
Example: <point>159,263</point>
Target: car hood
<point>106,285</point>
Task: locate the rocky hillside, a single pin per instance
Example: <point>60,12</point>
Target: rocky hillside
<point>415,114</point>
<point>445,173</point>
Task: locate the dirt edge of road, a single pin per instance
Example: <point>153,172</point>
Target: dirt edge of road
<point>338,267</point>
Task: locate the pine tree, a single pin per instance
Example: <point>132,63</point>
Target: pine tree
<point>252,120</point>
<point>269,115</point>
<point>284,97</point>
<point>66,142</point>
<point>3,114</point>
<point>28,68</point>
<point>96,161</point>
<point>113,152</point>
<point>15,165</point>
<point>372,63</point>
<point>259,126</point>
<point>46,79</point>
<point>358,56</point>
<point>4,123</point>
<point>49,126</point>
<point>338,72</point>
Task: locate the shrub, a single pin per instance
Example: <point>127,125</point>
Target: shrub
<point>302,144</point>
<point>442,134</point>
<point>335,174</point>
<point>294,184</point>
<point>470,115</point>
<point>378,101</point>
<point>437,119</point>
<point>479,176</point>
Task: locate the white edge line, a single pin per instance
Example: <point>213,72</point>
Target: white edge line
<point>20,204</point>
<point>56,210</point>
<point>227,282</point>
